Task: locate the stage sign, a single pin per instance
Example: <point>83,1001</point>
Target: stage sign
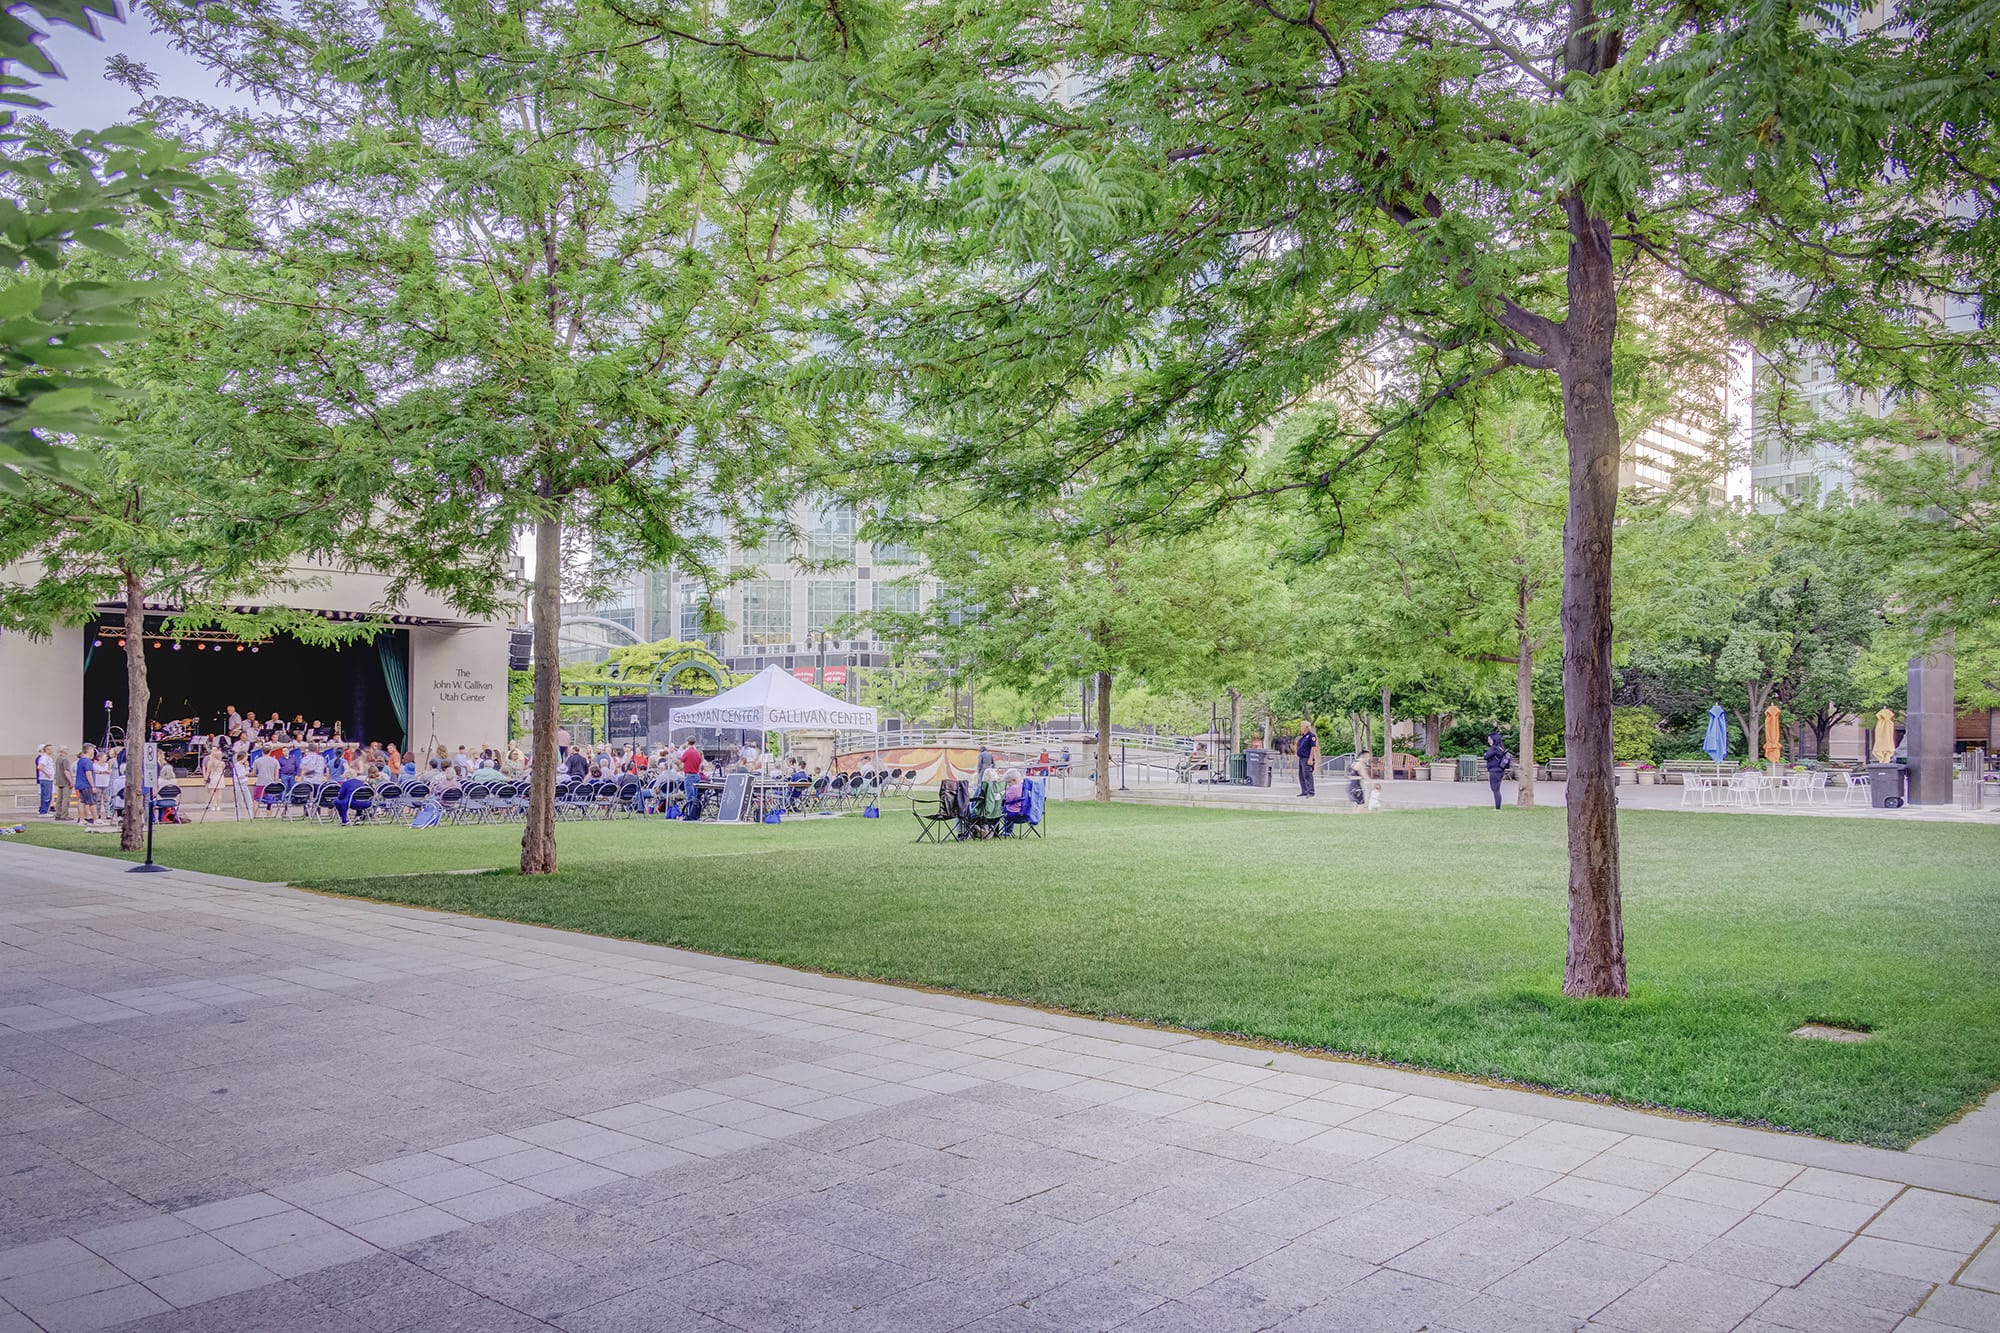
<point>735,793</point>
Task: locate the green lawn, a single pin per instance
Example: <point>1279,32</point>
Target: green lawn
<point>1432,938</point>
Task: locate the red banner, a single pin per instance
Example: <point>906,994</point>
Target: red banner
<point>836,675</point>
<point>803,673</point>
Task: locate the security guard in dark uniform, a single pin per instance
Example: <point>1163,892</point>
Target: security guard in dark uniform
<point>1308,755</point>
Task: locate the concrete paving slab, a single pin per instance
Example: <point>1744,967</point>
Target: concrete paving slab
<point>280,1110</point>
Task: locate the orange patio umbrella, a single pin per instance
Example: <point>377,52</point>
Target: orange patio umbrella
<point>1773,751</point>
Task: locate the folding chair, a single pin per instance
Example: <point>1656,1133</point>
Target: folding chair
<point>360,804</point>
<point>416,795</point>
<point>627,801</point>
<point>987,811</point>
<point>451,804</point>
<point>945,819</point>
<point>167,803</point>
<point>1030,817</point>
<point>389,801</point>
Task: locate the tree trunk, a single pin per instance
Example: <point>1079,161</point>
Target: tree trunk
<point>1103,791</point>
<point>138,699</point>
<point>1433,724</point>
<point>1596,962</point>
<point>1388,744</point>
<point>538,838</point>
<point>1524,712</point>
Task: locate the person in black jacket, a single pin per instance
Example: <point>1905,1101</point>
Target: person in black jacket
<point>1308,751</point>
<point>1496,765</point>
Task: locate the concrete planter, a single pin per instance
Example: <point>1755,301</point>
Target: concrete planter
<point>1627,776</point>
<point>1443,771</point>
<point>1647,777</point>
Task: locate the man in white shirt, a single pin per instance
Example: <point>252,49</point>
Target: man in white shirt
<point>45,778</point>
<point>312,765</point>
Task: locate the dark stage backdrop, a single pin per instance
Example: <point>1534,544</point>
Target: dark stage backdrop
<point>284,675</point>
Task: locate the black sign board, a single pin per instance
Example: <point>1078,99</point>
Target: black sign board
<point>735,792</point>
<point>628,719</point>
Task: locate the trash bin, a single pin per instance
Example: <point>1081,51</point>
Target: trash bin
<point>1468,768</point>
<point>1257,767</point>
<point>1238,768</point>
<point>1887,785</point>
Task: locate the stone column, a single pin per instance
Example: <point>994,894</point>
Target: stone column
<point>1932,721</point>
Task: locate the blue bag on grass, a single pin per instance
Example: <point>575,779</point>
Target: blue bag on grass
<point>774,816</point>
<point>872,812</point>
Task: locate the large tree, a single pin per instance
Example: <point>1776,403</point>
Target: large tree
<point>177,492</point>
<point>1403,201</point>
<point>540,269</point>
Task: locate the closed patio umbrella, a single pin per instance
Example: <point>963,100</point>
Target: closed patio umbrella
<point>1773,750</point>
<point>1885,736</point>
<point>1716,743</point>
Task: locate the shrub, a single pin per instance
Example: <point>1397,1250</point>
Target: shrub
<point>1635,734</point>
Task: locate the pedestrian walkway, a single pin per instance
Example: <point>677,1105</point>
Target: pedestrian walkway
<point>1407,794</point>
<point>230,1106</point>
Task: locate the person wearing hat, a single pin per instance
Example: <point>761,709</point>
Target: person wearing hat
<point>45,779</point>
<point>1496,764</point>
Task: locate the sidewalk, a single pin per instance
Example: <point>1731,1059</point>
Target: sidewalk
<point>1405,794</point>
<point>230,1106</point>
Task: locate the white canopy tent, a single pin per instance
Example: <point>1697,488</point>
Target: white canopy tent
<point>774,700</point>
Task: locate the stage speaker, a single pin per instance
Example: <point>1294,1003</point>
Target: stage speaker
<point>520,649</point>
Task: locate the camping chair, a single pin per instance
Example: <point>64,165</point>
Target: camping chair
<point>943,819</point>
<point>987,811</point>
<point>1030,817</point>
<point>167,803</point>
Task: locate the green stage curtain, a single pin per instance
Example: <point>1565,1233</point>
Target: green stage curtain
<point>396,676</point>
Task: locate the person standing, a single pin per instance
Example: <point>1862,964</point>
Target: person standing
<point>45,780</point>
<point>65,782</point>
<point>86,785</point>
<point>984,765</point>
<point>239,785</point>
<point>213,766</point>
<point>1496,765</point>
<point>1308,752</point>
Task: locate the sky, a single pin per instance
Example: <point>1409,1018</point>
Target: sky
<point>85,100</point>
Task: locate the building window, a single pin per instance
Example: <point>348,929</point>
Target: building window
<point>827,601</point>
<point>773,553</point>
<point>831,534</point>
<point>895,553</point>
<point>899,598</point>
<point>767,611</point>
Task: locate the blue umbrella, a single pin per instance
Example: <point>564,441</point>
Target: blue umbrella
<point>1716,744</point>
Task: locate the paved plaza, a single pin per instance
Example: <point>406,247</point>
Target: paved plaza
<point>227,1106</point>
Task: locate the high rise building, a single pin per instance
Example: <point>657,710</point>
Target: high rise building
<point>804,586</point>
